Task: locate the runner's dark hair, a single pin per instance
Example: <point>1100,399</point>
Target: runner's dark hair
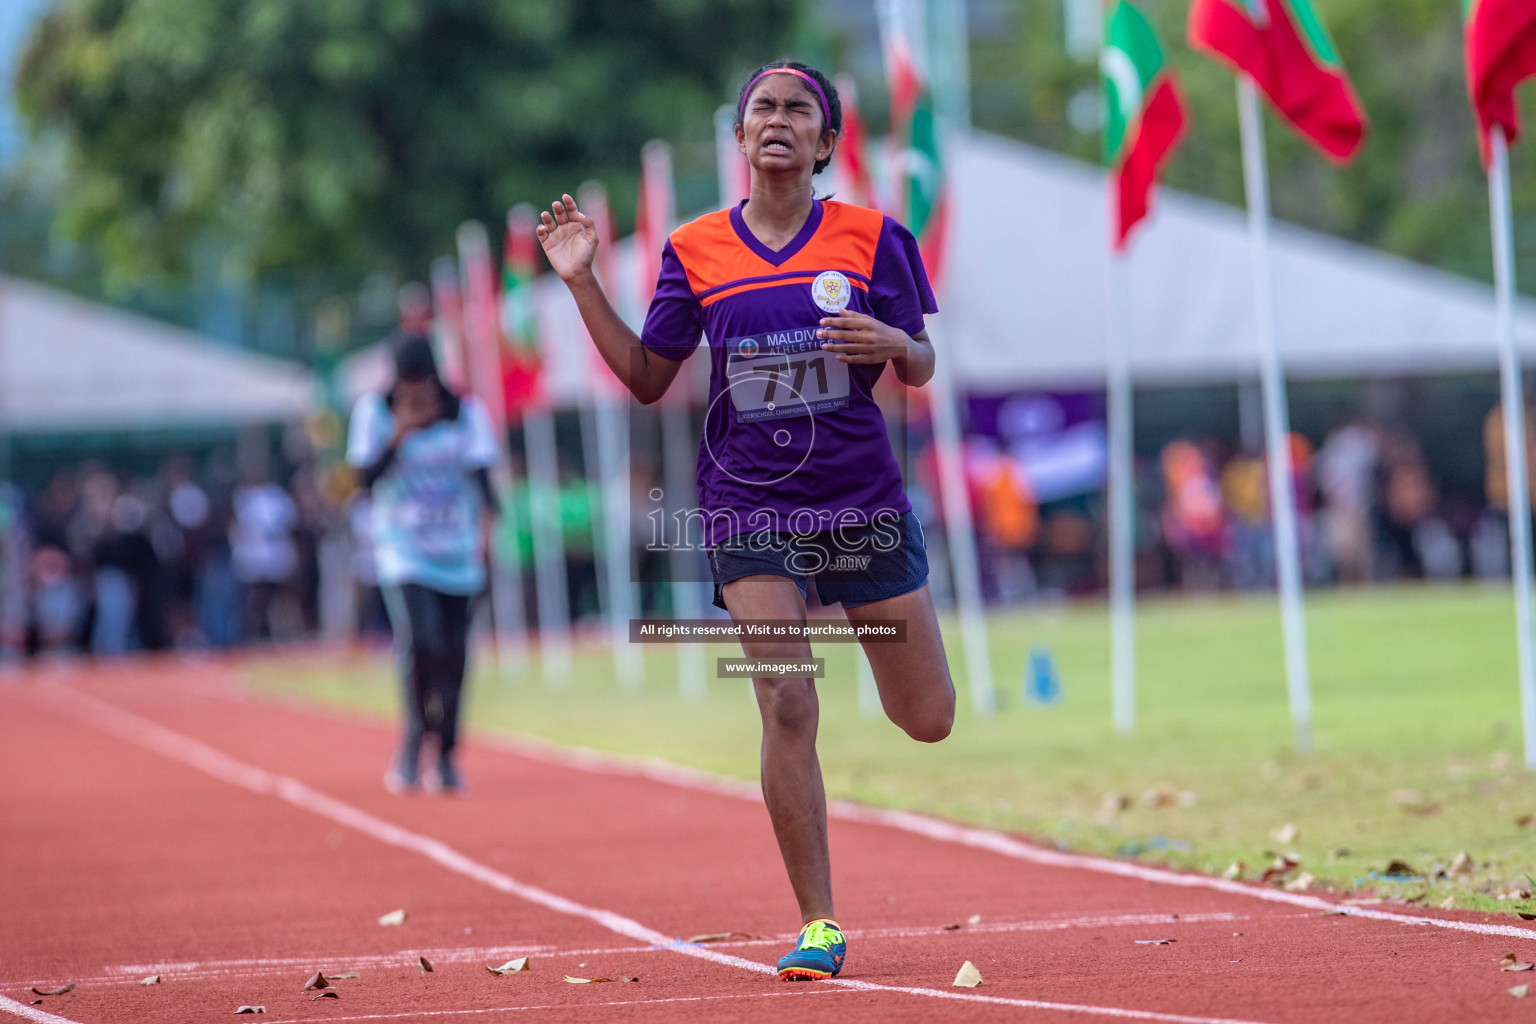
<point>834,112</point>
<point>415,360</point>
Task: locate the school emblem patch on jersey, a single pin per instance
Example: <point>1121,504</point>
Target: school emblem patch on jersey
<point>748,347</point>
<point>831,291</point>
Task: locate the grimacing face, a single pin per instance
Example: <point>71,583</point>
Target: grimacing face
<point>782,127</point>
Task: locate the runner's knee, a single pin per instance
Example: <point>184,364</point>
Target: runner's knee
<point>931,720</point>
<point>787,705</point>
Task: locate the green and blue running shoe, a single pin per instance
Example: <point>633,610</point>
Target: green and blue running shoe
<point>818,955</point>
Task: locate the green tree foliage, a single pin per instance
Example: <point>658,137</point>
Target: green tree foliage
<point>1417,188</point>
<point>360,133</point>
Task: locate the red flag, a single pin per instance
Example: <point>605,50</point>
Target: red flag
<point>1283,47</point>
<point>481,333</point>
<point>448,324</point>
<point>1144,117</point>
<point>522,372</point>
<point>655,214</point>
<point>734,173</point>
<point>921,196</point>
<point>1501,53</point>
<point>850,162</point>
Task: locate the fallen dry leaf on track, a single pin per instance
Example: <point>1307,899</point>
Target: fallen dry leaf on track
<point>1282,866</point>
<point>1449,903</point>
<point>1155,942</point>
<point>1286,834</point>
<point>423,965</point>
<point>511,966</point>
<point>329,993</point>
<point>251,1009</point>
<point>585,981</point>
<point>343,974</point>
<point>394,917</point>
<point>951,928</point>
<point>725,937</point>
<point>316,981</point>
<point>153,979</point>
<point>34,1002</point>
<point>1519,991</point>
<point>973,919</point>
<point>625,977</point>
<point>54,991</point>
<point>1522,915</point>
<point>1516,968</point>
<point>1461,864</point>
<point>1301,883</point>
<point>968,977</point>
<point>1234,870</point>
<point>1399,868</point>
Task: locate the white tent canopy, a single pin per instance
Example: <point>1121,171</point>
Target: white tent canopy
<point>1024,290</point>
<point>68,365</point>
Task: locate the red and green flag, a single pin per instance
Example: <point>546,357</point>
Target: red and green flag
<point>1501,53</point>
<point>521,371</point>
<point>1145,116</point>
<point>1283,46</point>
<point>919,166</point>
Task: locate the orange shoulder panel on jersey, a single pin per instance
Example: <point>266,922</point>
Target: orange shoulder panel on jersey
<point>711,253</point>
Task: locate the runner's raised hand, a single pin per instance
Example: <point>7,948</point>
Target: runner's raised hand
<point>569,238</point>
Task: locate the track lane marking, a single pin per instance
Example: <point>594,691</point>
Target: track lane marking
<point>254,967</point>
<point>145,732</point>
<point>808,991</point>
<point>32,1013</point>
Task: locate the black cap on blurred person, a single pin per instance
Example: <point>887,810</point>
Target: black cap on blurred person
<point>414,359</point>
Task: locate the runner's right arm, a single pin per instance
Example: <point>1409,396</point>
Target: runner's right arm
<point>570,241</point>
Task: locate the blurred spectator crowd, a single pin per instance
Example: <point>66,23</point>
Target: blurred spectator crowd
<point>97,562</point>
<point>1368,506</point>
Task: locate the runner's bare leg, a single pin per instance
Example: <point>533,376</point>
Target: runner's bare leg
<point>792,786</point>
<point>913,677</point>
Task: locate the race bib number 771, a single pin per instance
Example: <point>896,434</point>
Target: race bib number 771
<point>784,374</point>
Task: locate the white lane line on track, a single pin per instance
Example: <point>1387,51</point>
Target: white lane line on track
<point>32,1013</point>
<point>255,967</point>
<point>145,732</point>
<point>807,991</point>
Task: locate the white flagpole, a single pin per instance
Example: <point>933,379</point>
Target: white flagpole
<point>548,545</point>
<point>613,471</point>
<point>1122,502</point>
<point>1512,398</point>
<point>960,530</point>
<point>1277,429</point>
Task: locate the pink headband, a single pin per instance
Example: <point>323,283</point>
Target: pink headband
<point>826,112</point>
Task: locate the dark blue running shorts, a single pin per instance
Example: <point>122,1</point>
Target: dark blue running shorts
<point>853,566</point>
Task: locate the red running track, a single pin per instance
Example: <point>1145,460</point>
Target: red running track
<point>155,821</point>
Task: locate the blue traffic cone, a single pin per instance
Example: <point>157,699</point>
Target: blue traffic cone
<point>1042,683</point>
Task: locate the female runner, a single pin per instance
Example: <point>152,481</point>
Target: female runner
<point>804,302</point>
<point>425,454</point>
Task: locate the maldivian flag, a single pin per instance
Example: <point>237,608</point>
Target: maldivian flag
<point>1283,47</point>
<point>1145,116</point>
<point>919,177</point>
<point>521,371</point>
<point>850,161</point>
<point>1501,53</point>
